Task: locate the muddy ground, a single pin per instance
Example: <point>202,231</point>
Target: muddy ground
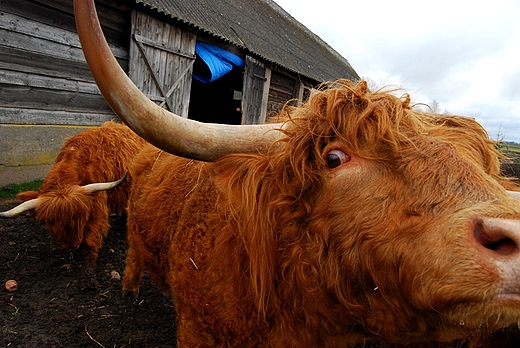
<point>50,309</point>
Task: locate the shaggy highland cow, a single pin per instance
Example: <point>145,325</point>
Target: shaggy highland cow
<point>76,211</point>
<point>356,218</point>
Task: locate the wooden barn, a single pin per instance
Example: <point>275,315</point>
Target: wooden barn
<point>219,61</point>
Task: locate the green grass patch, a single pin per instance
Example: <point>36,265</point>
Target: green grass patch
<point>510,151</point>
<point>12,190</point>
<point>510,148</point>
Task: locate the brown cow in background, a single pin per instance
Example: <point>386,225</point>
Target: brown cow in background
<point>74,211</point>
<point>357,218</point>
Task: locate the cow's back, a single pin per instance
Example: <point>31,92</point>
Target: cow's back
<point>100,154</point>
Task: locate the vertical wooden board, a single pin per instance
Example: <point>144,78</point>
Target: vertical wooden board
<point>299,87</point>
<point>181,70</point>
<point>172,61</point>
<point>253,91</point>
<point>185,71</point>
<point>265,96</point>
<point>173,68</point>
<point>158,57</point>
<point>135,72</point>
<point>151,33</point>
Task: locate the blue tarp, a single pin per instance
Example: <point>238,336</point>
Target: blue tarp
<point>218,60</point>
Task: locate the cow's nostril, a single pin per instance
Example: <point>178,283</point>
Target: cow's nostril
<point>495,235</point>
<point>505,246</point>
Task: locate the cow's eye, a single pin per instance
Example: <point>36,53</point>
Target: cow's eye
<point>336,158</point>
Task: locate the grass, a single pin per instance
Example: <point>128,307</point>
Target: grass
<point>511,151</point>
<point>511,148</point>
<point>11,190</point>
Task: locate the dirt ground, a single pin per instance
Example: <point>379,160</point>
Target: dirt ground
<point>50,309</point>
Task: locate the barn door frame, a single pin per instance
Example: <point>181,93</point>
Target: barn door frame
<point>161,62</point>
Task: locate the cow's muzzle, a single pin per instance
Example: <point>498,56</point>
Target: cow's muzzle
<point>500,239</point>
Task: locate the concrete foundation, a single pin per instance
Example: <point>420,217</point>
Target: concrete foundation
<point>18,175</point>
<point>27,152</point>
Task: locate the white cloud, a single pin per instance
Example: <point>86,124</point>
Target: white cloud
<point>463,54</point>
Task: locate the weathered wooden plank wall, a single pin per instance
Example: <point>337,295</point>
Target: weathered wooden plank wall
<point>43,75</point>
<point>282,89</point>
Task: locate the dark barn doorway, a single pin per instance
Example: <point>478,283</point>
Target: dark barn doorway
<point>219,101</point>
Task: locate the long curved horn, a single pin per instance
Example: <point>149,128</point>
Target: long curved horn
<point>33,203</point>
<point>21,208</point>
<point>103,186</point>
<point>166,130</point>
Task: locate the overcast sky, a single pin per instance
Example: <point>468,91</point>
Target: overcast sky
<point>465,55</point>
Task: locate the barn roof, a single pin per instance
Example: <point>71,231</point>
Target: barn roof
<point>263,28</point>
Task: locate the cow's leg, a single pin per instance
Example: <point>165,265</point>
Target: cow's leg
<point>95,231</point>
<point>134,269</point>
<point>88,279</point>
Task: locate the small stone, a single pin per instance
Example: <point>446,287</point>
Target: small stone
<point>11,285</point>
<point>114,275</point>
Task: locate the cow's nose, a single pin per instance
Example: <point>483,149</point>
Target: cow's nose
<point>501,236</point>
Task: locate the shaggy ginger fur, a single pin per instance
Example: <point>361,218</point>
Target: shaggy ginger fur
<point>73,216</point>
<point>358,224</point>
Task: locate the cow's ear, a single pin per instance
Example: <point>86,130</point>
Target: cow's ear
<point>27,195</point>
